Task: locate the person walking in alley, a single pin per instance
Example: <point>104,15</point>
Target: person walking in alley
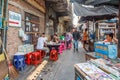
<point>67,38</point>
<point>42,43</point>
<point>76,37</point>
<point>85,37</point>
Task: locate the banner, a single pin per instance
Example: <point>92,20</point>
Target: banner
<point>14,19</point>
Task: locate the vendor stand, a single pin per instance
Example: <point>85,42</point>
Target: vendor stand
<point>103,50</point>
<point>98,69</point>
<point>90,55</point>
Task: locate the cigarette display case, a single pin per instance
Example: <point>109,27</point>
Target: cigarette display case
<point>105,50</point>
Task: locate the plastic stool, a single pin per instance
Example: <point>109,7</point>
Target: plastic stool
<point>36,58</point>
<point>60,49</point>
<point>42,52</point>
<point>63,46</point>
<point>28,58</point>
<point>53,55</point>
<point>70,46</point>
<point>19,62</point>
<point>78,78</point>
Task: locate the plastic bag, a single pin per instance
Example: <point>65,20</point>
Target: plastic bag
<point>21,33</point>
<point>80,45</point>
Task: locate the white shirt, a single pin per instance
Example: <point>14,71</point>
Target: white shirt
<point>40,43</point>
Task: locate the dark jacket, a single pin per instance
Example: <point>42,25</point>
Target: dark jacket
<point>76,35</point>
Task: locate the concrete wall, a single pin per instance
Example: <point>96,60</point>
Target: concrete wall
<point>20,6</point>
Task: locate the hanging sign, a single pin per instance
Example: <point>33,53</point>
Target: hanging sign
<point>14,19</point>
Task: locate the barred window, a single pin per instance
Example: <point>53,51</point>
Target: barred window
<point>31,23</point>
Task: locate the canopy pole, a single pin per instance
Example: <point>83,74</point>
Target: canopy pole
<point>119,33</point>
<point>93,25</point>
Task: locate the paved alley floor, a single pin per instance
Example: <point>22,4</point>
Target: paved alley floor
<point>63,68</point>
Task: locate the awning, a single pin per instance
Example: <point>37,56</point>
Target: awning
<point>78,1</point>
<point>96,18</point>
<point>81,10</point>
<point>105,2</point>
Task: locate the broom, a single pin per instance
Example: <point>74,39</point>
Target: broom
<point>13,73</point>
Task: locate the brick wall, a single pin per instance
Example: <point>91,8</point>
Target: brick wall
<point>20,6</point>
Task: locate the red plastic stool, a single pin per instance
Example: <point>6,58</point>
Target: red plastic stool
<point>63,46</point>
<point>36,58</point>
<point>54,55</point>
<point>70,46</point>
<point>28,58</point>
<point>42,52</point>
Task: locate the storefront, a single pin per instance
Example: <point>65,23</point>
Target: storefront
<point>30,17</point>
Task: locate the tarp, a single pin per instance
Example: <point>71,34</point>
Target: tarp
<point>96,18</point>
<point>81,10</point>
<point>98,2</point>
<point>79,1</point>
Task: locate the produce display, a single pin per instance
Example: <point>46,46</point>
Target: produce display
<point>105,49</point>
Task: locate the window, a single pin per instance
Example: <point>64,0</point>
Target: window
<point>31,23</point>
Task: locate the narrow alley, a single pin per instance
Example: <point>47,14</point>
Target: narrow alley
<point>63,69</point>
<point>59,39</point>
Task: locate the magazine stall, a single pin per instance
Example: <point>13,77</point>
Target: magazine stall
<point>98,69</point>
<point>100,65</point>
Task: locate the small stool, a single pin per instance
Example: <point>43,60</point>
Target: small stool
<point>19,62</point>
<point>70,46</point>
<point>53,55</point>
<point>42,52</point>
<point>36,58</point>
<point>28,57</point>
<point>60,49</point>
<point>63,46</point>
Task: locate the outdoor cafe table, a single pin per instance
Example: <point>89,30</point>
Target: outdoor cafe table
<point>53,46</point>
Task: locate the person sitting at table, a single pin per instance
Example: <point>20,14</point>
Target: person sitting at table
<point>110,38</point>
<point>62,37</point>
<point>55,38</point>
<point>41,44</point>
